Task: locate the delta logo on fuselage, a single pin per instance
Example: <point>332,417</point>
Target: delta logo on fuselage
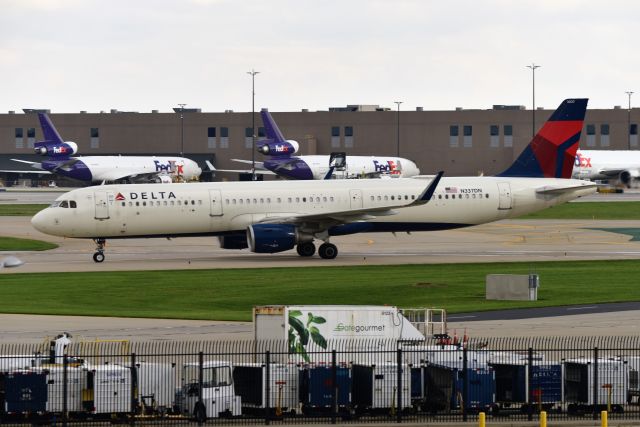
<point>170,167</point>
<point>390,167</point>
<point>583,162</point>
<point>148,195</point>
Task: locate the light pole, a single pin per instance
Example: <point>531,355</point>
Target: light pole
<point>398,129</point>
<point>533,109</point>
<point>629,93</point>
<point>182,129</point>
<point>253,123</point>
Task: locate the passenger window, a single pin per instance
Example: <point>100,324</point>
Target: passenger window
<point>304,199</point>
<point>439,196</point>
<point>130,203</point>
<point>172,204</point>
<point>297,199</point>
<point>158,203</point>
<point>446,196</point>
<point>137,203</point>
<point>324,199</point>
<point>386,198</point>
<point>379,198</point>
<point>486,196</point>
<point>248,201</point>
<point>331,198</point>
<point>193,202</point>
<point>199,202</point>
<point>124,204</point>
<point>234,201</point>
<point>413,197</point>
<point>393,197</point>
<point>261,200</point>
<point>144,203</point>
<point>240,201</point>
<point>279,200</point>
<point>255,201</point>
<point>164,203</point>
<point>317,199</point>
<point>406,197</point>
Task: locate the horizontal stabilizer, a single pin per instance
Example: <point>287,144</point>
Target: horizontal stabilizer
<point>554,189</point>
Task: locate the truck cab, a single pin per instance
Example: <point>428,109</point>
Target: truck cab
<point>217,396</point>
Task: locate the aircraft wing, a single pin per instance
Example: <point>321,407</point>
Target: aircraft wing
<point>553,189</point>
<point>257,171</point>
<point>325,220</point>
<point>39,172</point>
<point>36,165</point>
<point>259,165</point>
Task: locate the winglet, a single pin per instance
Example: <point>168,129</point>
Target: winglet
<point>428,192</point>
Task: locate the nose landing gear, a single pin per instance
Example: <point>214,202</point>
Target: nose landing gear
<point>98,256</point>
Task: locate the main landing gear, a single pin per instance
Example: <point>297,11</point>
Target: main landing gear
<point>326,250</point>
<point>98,256</point>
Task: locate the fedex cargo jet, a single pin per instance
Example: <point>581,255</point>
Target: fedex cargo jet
<point>276,216</point>
<point>106,168</point>
<point>283,162</point>
<point>622,165</point>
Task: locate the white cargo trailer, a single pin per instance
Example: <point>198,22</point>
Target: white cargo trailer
<point>156,385</point>
<point>76,381</point>
<point>579,380</point>
<point>251,384</point>
<point>375,387</point>
<point>108,389</point>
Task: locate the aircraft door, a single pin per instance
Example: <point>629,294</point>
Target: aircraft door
<point>356,199</point>
<point>505,196</point>
<point>101,199</point>
<point>215,203</point>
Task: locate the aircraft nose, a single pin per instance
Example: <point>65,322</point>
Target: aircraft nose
<point>41,221</point>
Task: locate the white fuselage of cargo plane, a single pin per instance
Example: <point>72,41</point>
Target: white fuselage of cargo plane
<point>314,207</point>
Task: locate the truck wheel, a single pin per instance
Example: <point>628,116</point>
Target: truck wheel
<point>200,413</point>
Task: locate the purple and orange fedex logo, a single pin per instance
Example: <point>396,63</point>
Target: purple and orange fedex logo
<point>390,167</point>
<point>582,161</point>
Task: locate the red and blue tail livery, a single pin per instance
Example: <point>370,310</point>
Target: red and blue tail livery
<point>552,151</point>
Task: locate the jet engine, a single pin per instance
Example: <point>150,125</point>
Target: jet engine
<point>269,147</point>
<point>271,238</point>
<point>47,148</point>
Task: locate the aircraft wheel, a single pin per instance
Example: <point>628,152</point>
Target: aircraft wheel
<point>328,251</point>
<point>306,249</point>
<point>98,257</point>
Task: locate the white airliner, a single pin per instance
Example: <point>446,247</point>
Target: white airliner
<point>282,162</point>
<point>277,216</point>
<point>105,168</point>
<point>621,165</point>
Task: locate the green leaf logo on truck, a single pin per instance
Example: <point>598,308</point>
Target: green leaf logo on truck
<point>301,332</point>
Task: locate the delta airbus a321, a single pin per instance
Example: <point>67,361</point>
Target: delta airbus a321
<point>277,216</point>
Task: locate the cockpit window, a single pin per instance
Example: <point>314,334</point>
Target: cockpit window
<point>64,204</point>
<point>72,204</point>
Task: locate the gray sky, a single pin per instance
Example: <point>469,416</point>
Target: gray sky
<point>138,55</point>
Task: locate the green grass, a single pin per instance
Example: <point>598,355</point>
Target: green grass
<point>14,244</point>
<point>20,210</point>
<point>589,210</point>
<point>230,294</point>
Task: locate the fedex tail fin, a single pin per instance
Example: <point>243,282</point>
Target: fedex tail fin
<point>53,145</point>
<point>275,144</point>
<point>552,151</point>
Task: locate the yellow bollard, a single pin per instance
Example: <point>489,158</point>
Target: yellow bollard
<point>543,418</point>
<point>481,419</point>
<point>603,419</point>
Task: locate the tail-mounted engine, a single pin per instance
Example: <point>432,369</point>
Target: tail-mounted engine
<point>269,147</point>
<point>52,149</point>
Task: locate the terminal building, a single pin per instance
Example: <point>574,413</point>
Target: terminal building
<point>460,142</point>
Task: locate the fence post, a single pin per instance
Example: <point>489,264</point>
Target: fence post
<point>595,383</point>
<point>267,388</point>
<point>65,389</point>
<point>465,384</point>
<point>399,386</point>
<point>134,380</point>
<point>200,380</point>
<point>334,386</point>
<point>529,385</point>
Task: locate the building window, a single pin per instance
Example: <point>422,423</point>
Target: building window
<point>591,135</point>
<point>453,136</point>
<point>95,138</point>
<point>31,137</point>
<point>604,135</point>
<point>348,136</point>
<point>335,137</point>
<point>211,137</point>
<point>467,131</point>
<point>19,138</point>
<point>633,135</point>
<point>261,134</point>
<point>508,135</point>
<point>494,133</point>
<point>248,142</point>
<point>224,137</point>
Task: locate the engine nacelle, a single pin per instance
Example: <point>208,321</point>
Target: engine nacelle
<point>271,238</point>
<point>51,149</point>
<point>233,241</point>
<point>269,147</point>
<point>627,176</point>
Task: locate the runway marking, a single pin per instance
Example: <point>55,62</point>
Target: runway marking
<point>582,308</point>
<point>461,317</point>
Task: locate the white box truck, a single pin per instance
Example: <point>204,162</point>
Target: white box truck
<point>307,329</point>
